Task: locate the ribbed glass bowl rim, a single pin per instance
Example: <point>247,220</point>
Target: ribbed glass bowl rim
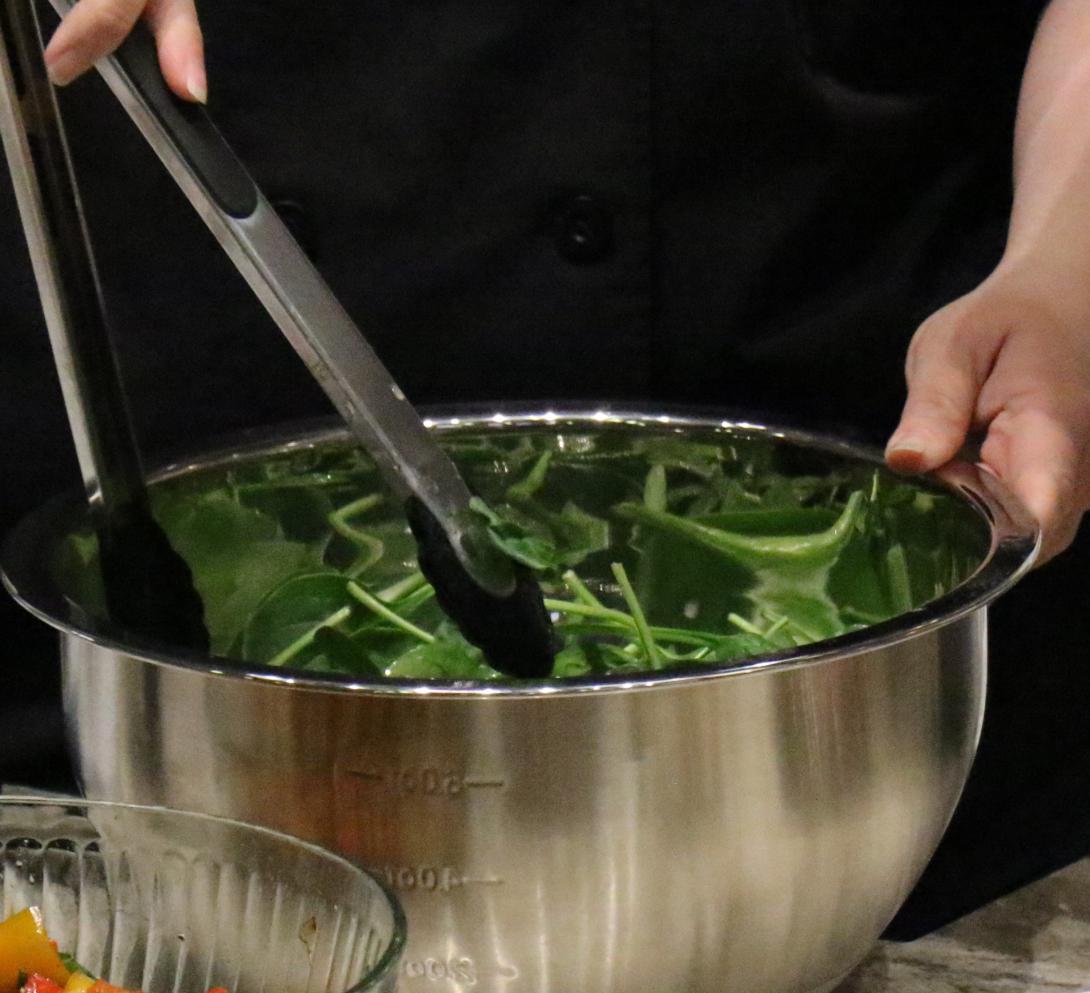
<point>389,959</point>
<point>1014,543</point>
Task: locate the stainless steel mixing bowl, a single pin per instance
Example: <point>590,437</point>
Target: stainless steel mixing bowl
<point>748,827</point>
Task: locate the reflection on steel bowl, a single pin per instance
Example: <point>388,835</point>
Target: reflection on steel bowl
<point>749,824</point>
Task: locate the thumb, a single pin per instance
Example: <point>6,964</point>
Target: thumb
<point>948,362</point>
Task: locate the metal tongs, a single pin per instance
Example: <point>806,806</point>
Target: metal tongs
<point>496,602</point>
<point>148,586</point>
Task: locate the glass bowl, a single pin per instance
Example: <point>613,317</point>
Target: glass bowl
<point>169,902</point>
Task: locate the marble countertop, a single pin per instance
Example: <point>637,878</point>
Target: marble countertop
<point>1036,940</point>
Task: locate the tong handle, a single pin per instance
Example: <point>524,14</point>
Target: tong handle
<point>188,125</point>
<point>148,587</point>
<point>63,263</point>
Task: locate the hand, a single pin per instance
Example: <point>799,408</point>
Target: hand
<point>1013,362</point>
<point>94,28</point>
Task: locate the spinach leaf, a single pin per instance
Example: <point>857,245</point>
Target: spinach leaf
<point>284,625</point>
<point>339,653</point>
<point>75,568</point>
<point>237,556</point>
<point>542,539</point>
<point>758,551</point>
<point>447,656</point>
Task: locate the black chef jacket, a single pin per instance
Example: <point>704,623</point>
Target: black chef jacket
<point>748,203</point>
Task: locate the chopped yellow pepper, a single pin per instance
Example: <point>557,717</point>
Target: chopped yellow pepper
<point>25,948</point>
<point>78,982</point>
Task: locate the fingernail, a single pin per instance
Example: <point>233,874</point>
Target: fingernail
<point>197,85</point>
<point>906,453</point>
<point>63,68</point>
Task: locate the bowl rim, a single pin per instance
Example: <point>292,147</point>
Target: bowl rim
<point>373,978</point>
<point>1014,543</point>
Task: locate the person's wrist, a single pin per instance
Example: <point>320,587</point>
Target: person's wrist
<point>1049,264</point>
<point>1042,282</point>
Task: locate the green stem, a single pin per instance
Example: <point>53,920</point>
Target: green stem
<point>777,624</point>
<point>371,555</point>
<point>654,657</point>
<point>378,607</point>
<point>403,587</point>
<point>586,610</point>
<point>580,590</point>
<point>803,632</point>
<point>408,604</point>
<point>743,625</point>
<point>338,519</point>
<point>285,655</point>
<point>661,635</point>
<point>654,488</point>
<point>684,636</point>
<point>693,656</point>
<point>533,482</point>
<point>373,547</point>
<point>900,587</point>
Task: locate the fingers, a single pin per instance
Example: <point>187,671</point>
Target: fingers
<point>181,47</point>
<point>948,362</point>
<point>94,29</point>
<point>1009,364</point>
<point>1035,405</point>
<point>1038,448</point>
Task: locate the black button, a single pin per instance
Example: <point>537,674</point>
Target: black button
<point>295,218</point>
<point>582,228</point>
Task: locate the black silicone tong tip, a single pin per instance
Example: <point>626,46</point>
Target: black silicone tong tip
<point>148,585</point>
<point>514,631</point>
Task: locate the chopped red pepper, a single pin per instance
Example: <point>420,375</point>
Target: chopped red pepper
<point>37,983</point>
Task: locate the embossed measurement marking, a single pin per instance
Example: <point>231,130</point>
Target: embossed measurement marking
<point>432,878</point>
<point>427,781</point>
<point>460,969</point>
